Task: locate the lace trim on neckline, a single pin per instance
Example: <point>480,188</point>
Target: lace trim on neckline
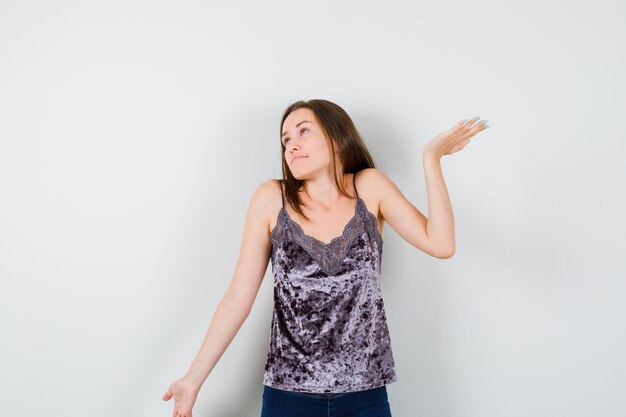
<point>330,255</point>
<point>333,240</point>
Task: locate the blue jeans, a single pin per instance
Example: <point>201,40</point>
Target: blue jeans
<point>369,403</point>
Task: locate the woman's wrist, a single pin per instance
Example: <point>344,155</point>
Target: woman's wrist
<point>194,381</point>
<point>430,154</point>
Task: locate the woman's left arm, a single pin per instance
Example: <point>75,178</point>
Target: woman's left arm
<point>434,234</point>
<point>440,224</point>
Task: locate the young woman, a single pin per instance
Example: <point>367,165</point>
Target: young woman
<point>321,226</point>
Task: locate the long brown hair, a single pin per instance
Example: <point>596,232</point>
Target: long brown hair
<point>341,134</point>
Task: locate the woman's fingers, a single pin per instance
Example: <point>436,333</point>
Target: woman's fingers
<point>476,127</point>
<point>458,137</point>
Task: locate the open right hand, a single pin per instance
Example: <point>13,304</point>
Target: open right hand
<point>185,394</point>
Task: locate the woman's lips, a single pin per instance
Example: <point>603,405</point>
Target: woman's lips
<point>298,157</point>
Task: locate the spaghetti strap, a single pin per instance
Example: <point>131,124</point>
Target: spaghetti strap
<point>354,184</point>
<point>282,194</point>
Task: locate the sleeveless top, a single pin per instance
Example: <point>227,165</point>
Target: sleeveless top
<point>329,330</point>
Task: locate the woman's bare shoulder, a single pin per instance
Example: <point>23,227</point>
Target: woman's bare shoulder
<point>367,172</point>
<point>368,182</point>
<point>269,191</point>
<point>268,195</point>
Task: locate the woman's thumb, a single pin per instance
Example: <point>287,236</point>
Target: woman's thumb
<point>167,395</point>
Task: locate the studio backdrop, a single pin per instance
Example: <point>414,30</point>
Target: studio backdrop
<point>133,134</point>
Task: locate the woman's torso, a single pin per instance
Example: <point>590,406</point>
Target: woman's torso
<point>329,331</point>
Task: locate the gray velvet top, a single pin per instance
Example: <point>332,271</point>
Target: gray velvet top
<point>329,331</point>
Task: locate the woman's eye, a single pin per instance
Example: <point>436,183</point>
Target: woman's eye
<point>287,140</point>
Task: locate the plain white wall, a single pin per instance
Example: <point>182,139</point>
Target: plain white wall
<point>132,135</point>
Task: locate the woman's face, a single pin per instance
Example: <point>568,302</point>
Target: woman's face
<point>306,149</point>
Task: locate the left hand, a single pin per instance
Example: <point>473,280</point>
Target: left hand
<point>455,139</point>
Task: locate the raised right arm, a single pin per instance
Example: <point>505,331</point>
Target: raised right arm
<point>237,301</point>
